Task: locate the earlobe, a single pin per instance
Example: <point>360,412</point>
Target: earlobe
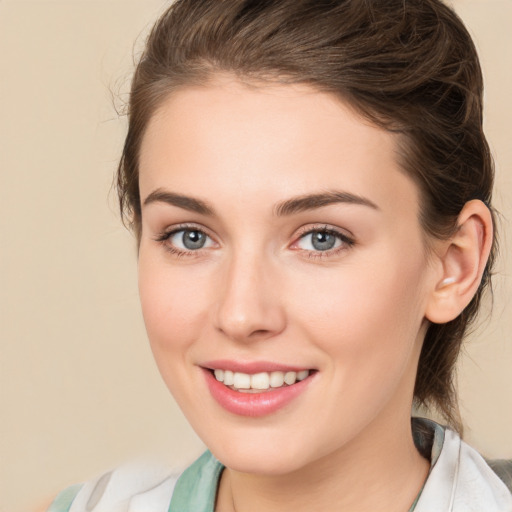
<point>462,262</point>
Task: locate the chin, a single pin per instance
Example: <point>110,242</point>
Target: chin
<point>259,462</point>
<point>264,452</point>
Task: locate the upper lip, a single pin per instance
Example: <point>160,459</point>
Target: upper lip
<point>251,367</point>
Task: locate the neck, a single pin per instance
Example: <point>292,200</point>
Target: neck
<point>376,472</point>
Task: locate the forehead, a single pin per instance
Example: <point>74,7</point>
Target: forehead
<point>269,140</point>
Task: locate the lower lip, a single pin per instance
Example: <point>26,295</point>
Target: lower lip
<point>254,404</point>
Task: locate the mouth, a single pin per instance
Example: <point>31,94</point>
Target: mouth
<point>259,382</point>
<point>255,392</point>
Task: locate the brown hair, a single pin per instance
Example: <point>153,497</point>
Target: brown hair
<point>409,66</point>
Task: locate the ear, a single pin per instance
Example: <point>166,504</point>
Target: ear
<point>461,261</point>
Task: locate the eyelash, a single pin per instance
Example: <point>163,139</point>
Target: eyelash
<point>346,241</point>
<point>166,235</point>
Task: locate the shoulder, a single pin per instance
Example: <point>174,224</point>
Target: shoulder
<point>143,488</point>
<point>483,480</point>
<point>461,480</point>
<point>502,468</point>
<point>134,487</point>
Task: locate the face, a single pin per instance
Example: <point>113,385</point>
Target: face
<point>282,270</point>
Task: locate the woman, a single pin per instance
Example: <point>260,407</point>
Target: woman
<point>310,189</point>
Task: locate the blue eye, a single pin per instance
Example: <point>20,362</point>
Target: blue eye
<point>322,240</point>
<point>189,240</point>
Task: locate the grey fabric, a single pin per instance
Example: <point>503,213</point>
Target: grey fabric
<point>503,468</point>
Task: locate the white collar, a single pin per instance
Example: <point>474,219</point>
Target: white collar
<point>460,480</point>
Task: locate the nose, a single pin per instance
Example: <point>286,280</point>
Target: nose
<point>250,306</point>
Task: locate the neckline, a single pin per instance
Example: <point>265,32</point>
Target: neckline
<point>196,488</point>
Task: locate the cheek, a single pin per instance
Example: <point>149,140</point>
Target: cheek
<point>367,323</point>
<point>173,304</point>
<point>173,307</point>
<point>365,314</point>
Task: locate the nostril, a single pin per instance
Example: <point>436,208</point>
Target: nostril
<point>259,332</point>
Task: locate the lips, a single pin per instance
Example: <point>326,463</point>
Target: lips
<point>257,388</point>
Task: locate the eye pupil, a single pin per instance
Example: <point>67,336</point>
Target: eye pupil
<point>193,239</point>
<point>323,241</point>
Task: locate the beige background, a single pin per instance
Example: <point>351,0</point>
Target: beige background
<point>79,391</point>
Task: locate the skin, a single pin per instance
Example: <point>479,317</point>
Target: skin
<point>259,291</point>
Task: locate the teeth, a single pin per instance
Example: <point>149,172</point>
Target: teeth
<point>242,381</point>
<point>290,378</point>
<point>228,378</point>
<point>302,374</point>
<point>260,381</point>
<point>276,379</point>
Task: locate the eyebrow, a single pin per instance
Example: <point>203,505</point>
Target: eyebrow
<point>313,201</point>
<point>285,208</point>
<point>187,203</point>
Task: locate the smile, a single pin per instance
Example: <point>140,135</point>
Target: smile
<point>245,382</point>
<point>256,393</point>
